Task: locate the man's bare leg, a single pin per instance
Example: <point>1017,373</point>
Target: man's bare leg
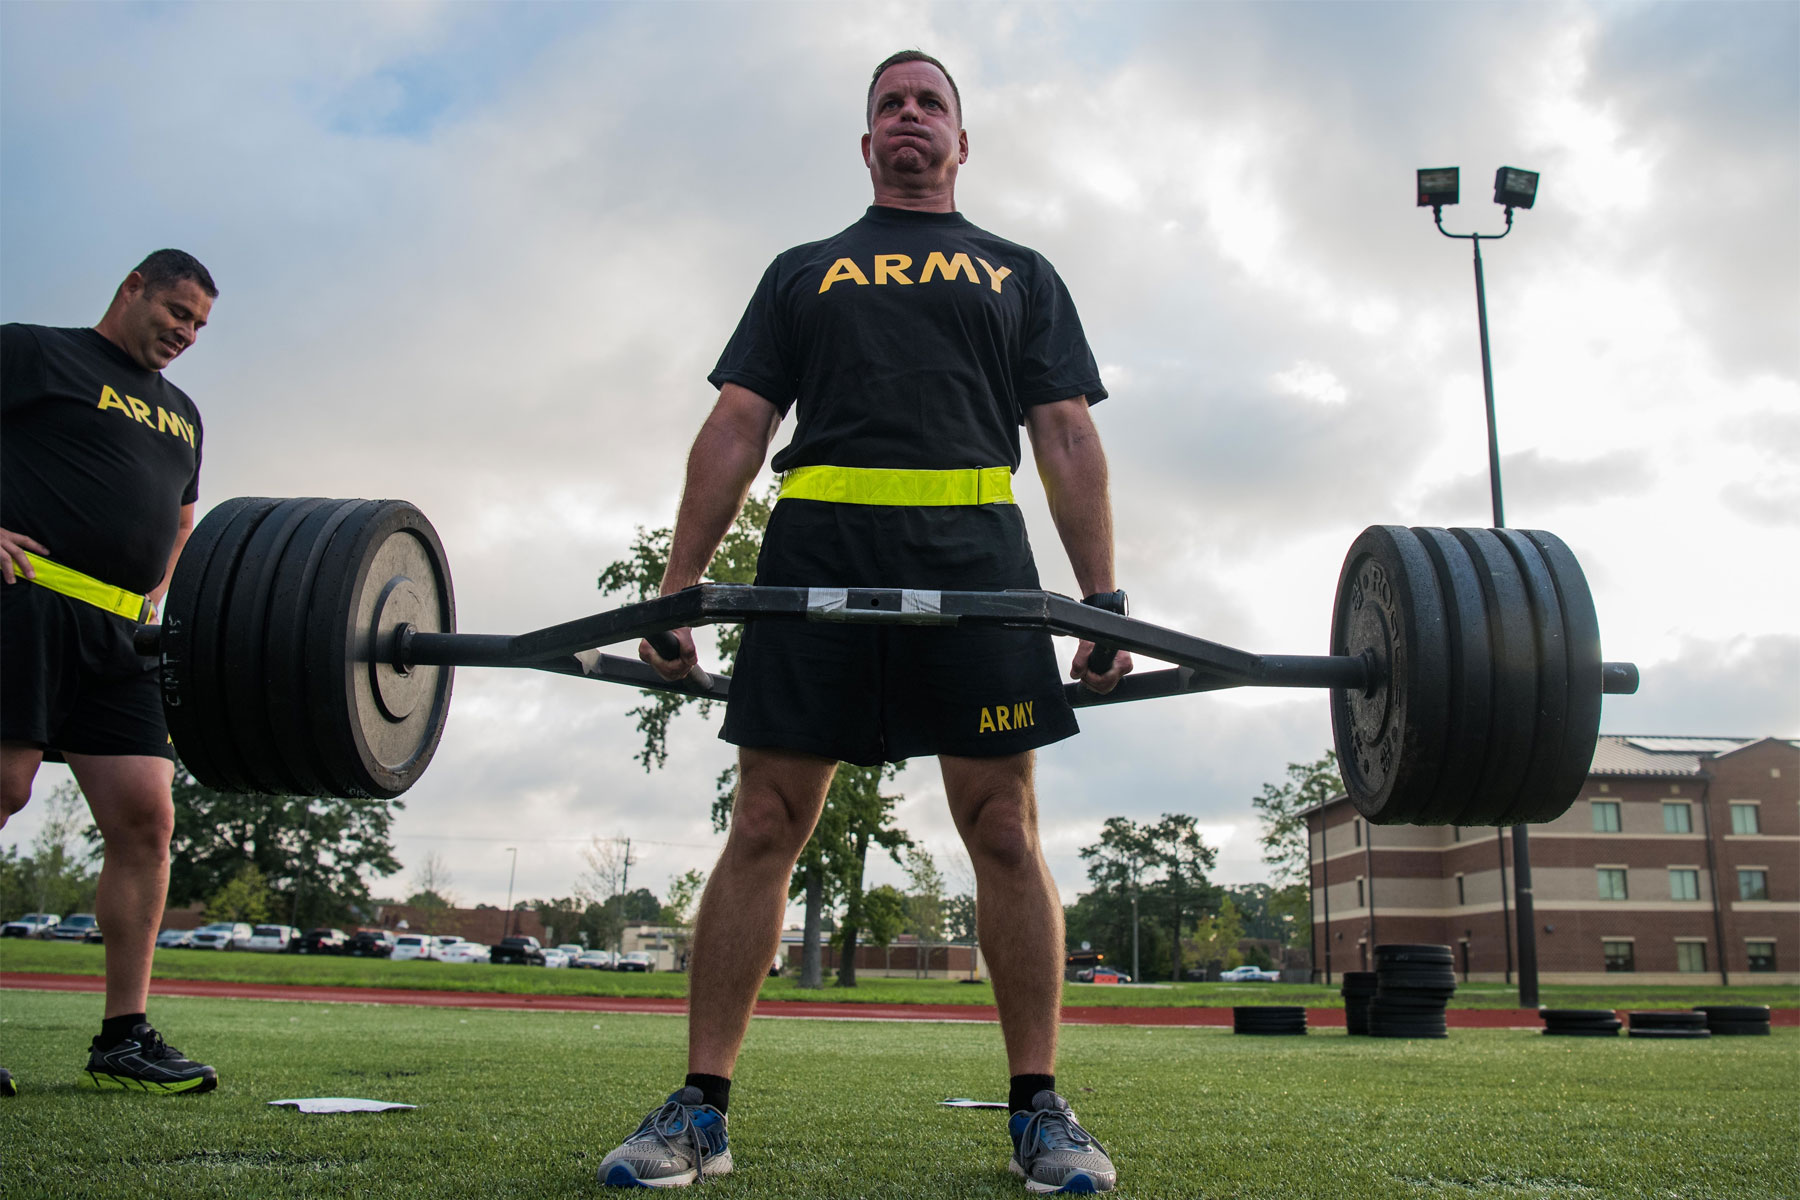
<point>780,795</point>
<point>129,796</point>
<point>19,763</point>
<point>1017,907</point>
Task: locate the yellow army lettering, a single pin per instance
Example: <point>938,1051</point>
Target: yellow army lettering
<point>1006,718</point>
<point>165,422</point>
<point>892,268</point>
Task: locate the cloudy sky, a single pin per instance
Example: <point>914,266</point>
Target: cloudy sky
<point>482,257</point>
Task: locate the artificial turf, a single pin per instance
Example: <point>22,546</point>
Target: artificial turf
<point>525,1104</point>
<point>18,954</point>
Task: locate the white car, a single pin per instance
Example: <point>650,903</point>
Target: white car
<point>272,939</point>
<point>554,957</point>
<point>221,935</point>
<point>174,939</point>
<point>35,925</point>
<point>570,951</point>
<point>442,942</point>
<point>464,952</point>
<point>413,945</point>
<point>1249,974</point>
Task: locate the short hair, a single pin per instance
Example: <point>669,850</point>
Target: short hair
<point>166,268</point>
<point>906,56</point>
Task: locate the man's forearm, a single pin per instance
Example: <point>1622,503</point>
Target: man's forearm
<point>1072,465</point>
<point>725,458</point>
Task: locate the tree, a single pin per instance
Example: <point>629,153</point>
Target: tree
<point>684,890</point>
<point>883,914</point>
<point>1291,906</point>
<point>313,853</point>
<point>245,897</point>
<point>1163,865</point>
<point>924,904</point>
<point>432,898</point>
<point>1286,844</point>
<point>1216,936</point>
<point>640,577</point>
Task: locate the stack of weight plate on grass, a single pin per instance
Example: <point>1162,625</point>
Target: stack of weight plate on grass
<point>1581,1022</point>
<point>1268,1019</point>
<point>1669,1025</point>
<point>1735,1020</point>
<point>1412,986</point>
<point>1358,991</point>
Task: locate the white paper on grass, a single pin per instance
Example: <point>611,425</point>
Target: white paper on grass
<point>338,1104</point>
<point>960,1102</point>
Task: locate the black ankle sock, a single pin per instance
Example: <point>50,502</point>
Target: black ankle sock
<point>1024,1087</point>
<point>716,1089</point>
<point>114,1030</point>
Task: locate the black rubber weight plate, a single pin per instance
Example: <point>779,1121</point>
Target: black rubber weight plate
<point>245,645</point>
<point>1470,683</point>
<point>183,702</point>
<point>1669,1033</point>
<point>1513,649</point>
<point>1734,1012</point>
<point>1390,739</point>
<point>1739,1028</point>
<point>224,765</point>
<point>1580,1031</point>
<point>1577,1014</point>
<point>1551,721</point>
<point>1667,1020</point>
<point>1410,952</point>
<point>290,608</point>
<point>1581,634</point>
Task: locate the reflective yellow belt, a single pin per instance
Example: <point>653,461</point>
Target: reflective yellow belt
<point>70,582</point>
<point>879,485</point>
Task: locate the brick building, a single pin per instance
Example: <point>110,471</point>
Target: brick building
<point>1680,862</point>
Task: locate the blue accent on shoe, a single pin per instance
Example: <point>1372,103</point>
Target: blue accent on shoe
<point>621,1176</point>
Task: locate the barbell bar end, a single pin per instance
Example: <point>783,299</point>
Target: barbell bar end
<point>1618,678</point>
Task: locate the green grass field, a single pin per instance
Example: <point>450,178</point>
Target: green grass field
<point>18,954</point>
<point>525,1104</point>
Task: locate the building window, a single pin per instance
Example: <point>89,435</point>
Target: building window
<point>1744,819</point>
<point>1762,956</point>
<point>1753,884</point>
<point>1359,891</point>
<point>1618,956</point>
<point>1606,816</point>
<point>1356,831</point>
<point>1612,882</point>
<point>1461,896</point>
<point>1678,818</point>
<point>1456,833</point>
<point>1684,884</point>
<point>1690,957</point>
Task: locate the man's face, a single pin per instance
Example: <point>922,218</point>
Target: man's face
<point>914,128</point>
<point>156,326</point>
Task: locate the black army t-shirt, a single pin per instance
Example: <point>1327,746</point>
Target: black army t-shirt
<point>97,455</point>
<point>910,340</point>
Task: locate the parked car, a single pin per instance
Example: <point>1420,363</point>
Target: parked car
<point>81,927</point>
<point>35,925</point>
<point>554,957</point>
<point>571,951</point>
<point>272,939</point>
<point>443,941</point>
<point>321,941</point>
<point>221,935</point>
<point>1102,974</point>
<point>637,960</point>
<point>517,951</point>
<point>174,939</point>
<point>371,943</point>
<point>1249,974</point>
<point>413,945</point>
<point>594,960</point>
<point>464,952</point>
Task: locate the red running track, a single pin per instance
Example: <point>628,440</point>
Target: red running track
<point>1459,1018</point>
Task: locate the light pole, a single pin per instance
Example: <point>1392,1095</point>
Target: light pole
<point>510,876</point>
<point>1513,188</point>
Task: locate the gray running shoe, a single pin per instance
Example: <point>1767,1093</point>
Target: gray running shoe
<point>676,1144</point>
<point>1053,1153</point>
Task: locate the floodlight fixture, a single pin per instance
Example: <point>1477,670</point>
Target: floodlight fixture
<point>1512,187</point>
<point>1438,186</point>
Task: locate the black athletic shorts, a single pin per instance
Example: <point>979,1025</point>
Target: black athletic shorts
<point>70,681</point>
<point>869,694</point>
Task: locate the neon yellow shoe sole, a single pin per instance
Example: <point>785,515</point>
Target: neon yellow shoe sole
<point>105,1082</point>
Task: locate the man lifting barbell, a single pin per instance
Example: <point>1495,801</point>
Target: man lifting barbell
<point>101,469</point>
<point>911,347</point>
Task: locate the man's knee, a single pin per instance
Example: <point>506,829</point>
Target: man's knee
<point>1003,833</point>
<point>136,823</point>
<point>768,821</point>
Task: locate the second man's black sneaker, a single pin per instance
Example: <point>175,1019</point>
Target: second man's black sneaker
<point>7,1087</point>
<point>143,1062</point>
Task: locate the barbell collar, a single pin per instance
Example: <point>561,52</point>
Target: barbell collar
<point>1619,678</point>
